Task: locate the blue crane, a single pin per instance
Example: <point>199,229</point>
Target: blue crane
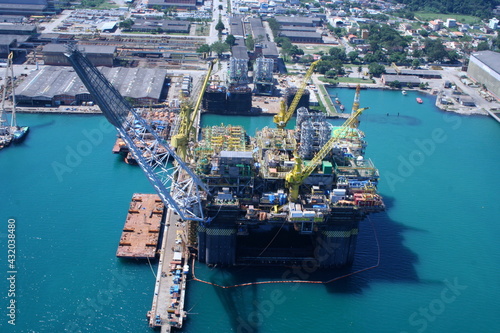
<point>177,185</point>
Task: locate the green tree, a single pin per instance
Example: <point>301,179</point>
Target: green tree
<point>230,40</point>
<point>220,26</point>
<point>495,43</point>
<point>397,57</point>
<point>330,74</point>
<point>307,59</point>
<point>435,50</point>
<point>295,50</point>
<point>338,53</point>
<point>219,48</point>
<point>395,84</point>
<point>483,46</point>
<point>424,33</point>
<point>250,43</point>
<point>353,56</point>
<point>452,56</point>
<point>376,69</point>
<point>126,24</point>
<point>205,48</point>
<point>274,25</point>
<point>415,63</point>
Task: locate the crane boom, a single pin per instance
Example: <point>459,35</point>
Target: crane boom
<point>178,187</point>
<point>296,177</point>
<point>188,115</point>
<point>284,115</point>
<point>396,68</point>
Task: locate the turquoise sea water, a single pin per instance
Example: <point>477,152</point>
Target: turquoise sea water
<point>439,252</point>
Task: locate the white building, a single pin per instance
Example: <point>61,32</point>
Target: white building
<point>450,23</point>
<point>493,23</point>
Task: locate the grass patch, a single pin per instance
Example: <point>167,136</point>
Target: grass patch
<point>354,80</point>
<point>315,49</point>
<point>346,80</point>
<point>428,16</point>
<point>108,5</point>
<point>202,29</point>
<point>331,107</point>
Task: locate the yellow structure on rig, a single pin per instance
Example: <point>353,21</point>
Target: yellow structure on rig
<point>284,115</point>
<point>299,173</point>
<point>187,116</point>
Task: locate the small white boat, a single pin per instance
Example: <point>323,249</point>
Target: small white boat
<point>404,92</point>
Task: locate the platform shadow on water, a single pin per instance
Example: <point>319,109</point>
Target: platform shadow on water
<point>397,264</point>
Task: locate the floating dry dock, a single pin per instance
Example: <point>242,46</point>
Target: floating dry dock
<point>142,227</point>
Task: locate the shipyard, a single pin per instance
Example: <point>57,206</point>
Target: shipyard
<point>300,189</point>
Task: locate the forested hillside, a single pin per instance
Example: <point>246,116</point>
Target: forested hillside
<point>481,8</point>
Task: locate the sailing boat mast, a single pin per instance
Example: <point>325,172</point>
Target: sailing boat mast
<point>13,121</point>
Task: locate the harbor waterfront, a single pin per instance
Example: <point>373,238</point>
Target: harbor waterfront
<point>437,271</point>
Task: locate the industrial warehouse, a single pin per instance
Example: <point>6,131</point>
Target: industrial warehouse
<point>53,86</point>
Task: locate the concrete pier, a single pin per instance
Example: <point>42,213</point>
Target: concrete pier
<point>167,309</point>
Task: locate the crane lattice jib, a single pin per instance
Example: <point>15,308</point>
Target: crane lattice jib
<point>296,177</point>
<point>187,117</point>
<point>287,114</point>
<point>177,185</point>
<point>396,68</point>
<point>202,93</point>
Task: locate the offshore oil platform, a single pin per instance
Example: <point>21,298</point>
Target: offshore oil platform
<point>281,197</point>
<point>285,195</point>
<point>278,198</point>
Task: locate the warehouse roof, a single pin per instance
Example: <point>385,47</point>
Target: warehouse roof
<point>489,58</point>
<point>109,25</point>
<point>163,24</point>
<point>417,72</point>
<point>296,20</point>
<point>236,26</point>
<point>401,78</point>
<point>17,27</point>
<point>239,52</point>
<point>8,39</point>
<point>303,34</point>
<point>25,7</point>
<point>53,81</point>
<point>87,49</point>
<point>258,29</point>
<point>298,28</point>
<point>270,49</point>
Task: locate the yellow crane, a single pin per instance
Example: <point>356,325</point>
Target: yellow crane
<point>396,68</point>
<point>284,115</point>
<point>299,173</point>
<point>187,116</point>
<point>355,105</point>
